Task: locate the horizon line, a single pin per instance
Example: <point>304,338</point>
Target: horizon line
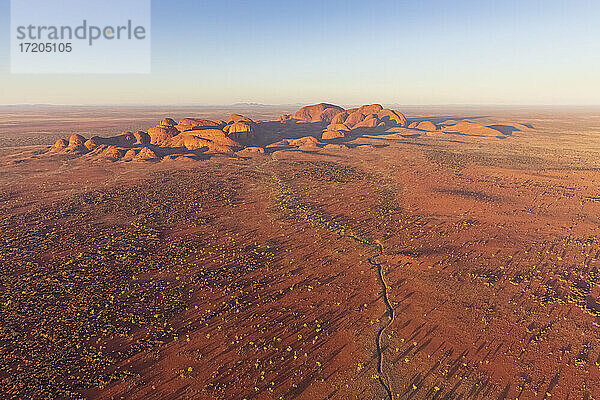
<point>252,104</point>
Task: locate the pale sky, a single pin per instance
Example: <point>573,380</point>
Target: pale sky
<point>525,52</point>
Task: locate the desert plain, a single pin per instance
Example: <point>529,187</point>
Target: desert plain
<point>280,252</point>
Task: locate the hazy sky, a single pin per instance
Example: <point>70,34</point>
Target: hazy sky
<point>394,52</point>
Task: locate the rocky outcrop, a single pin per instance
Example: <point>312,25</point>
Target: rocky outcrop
<point>186,124</point>
<point>426,126</point>
<point>206,139</point>
<point>76,145</point>
<point>369,121</point>
<point>233,118</point>
<point>146,154</point>
<point>328,135</point>
<point>59,145</point>
<point>392,117</point>
<point>303,141</point>
<point>240,130</point>
<point>370,109</point>
<point>252,150</point>
<point>327,122</point>
<point>141,138</point>
<point>354,118</point>
<point>321,112</point>
<point>161,134</point>
<point>340,118</point>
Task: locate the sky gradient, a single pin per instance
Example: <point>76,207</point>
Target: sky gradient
<point>525,52</point>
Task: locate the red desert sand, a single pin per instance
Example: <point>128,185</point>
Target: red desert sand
<point>325,253</point>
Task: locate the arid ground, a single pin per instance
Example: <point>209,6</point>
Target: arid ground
<point>383,261</point>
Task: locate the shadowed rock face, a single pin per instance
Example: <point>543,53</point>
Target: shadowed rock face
<point>142,138</point>
<point>391,116</point>
<point>192,136</point>
<point>93,143</point>
<point>239,130</point>
<point>167,122</point>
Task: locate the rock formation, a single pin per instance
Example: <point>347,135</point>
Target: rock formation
<point>327,135</point>
<point>59,145</point>
<point>321,112</point>
<point>187,124</point>
<point>391,116</point>
<point>238,133</point>
<point>161,134</point>
<point>426,126</point>
<point>240,130</point>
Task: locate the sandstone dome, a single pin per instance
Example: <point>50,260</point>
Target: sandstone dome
<point>146,154</point>
<point>327,135</point>
<point>369,121</point>
<point>321,112</point>
<point>251,150</point>
<point>337,127</point>
<point>109,153</point>
<point>353,119</point>
<point>190,141</point>
<point>60,144</point>
<point>76,145</point>
<point>233,118</point>
<point>186,124</point>
<point>370,108</point>
<point>168,122</point>
<point>339,118</point>
<point>76,140</point>
<point>93,142</point>
<point>207,139</point>
<point>426,126</point>
<point>160,134</point>
<point>129,155</point>
<point>303,141</point>
<point>239,130</point>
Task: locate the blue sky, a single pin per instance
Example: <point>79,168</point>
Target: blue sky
<point>346,52</point>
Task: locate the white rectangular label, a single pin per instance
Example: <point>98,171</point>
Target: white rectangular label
<point>80,36</point>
